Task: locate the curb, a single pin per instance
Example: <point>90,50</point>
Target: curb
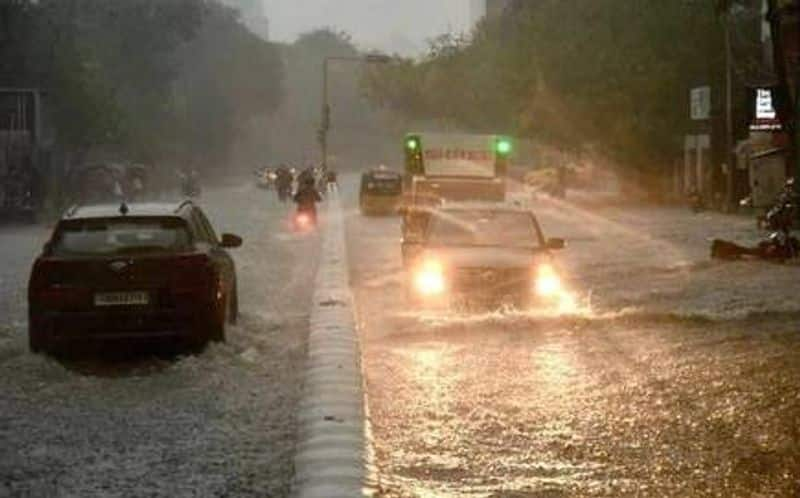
<point>332,456</point>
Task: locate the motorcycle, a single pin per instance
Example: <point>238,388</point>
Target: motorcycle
<point>779,244</point>
<point>782,214</point>
<point>303,221</point>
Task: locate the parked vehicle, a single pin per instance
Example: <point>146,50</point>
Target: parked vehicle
<point>779,220</point>
<point>108,182</point>
<point>782,215</point>
<point>138,271</point>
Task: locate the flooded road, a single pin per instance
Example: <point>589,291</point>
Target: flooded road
<point>672,376</point>
<point>152,422</point>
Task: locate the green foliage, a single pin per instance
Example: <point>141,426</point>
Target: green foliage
<point>305,58</point>
<point>84,107</point>
<point>147,78</point>
<point>611,74</point>
<point>228,77</point>
<point>355,129</point>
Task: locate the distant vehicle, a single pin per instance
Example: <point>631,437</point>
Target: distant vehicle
<point>108,182</point>
<point>284,179</point>
<point>307,197</point>
<point>331,180</point>
<point>381,192</point>
<point>265,178</point>
<point>457,166</point>
<point>138,271</point>
<point>486,255</point>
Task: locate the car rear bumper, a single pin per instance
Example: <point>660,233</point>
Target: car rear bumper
<point>380,204</point>
<point>65,327</point>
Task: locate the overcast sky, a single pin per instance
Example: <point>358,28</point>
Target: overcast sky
<point>389,25</point>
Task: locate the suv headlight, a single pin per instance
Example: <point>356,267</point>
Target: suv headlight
<point>548,283</point>
<point>429,278</point>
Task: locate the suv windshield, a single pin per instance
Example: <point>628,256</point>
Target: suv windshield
<point>483,228</point>
<point>121,236</point>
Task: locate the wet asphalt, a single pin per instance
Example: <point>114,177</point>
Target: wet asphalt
<point>153,420</point>
<point>672,376</point>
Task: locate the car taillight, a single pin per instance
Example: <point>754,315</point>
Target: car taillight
<point>45,274</point>
<point>48,288</point>
<point>191,272</point>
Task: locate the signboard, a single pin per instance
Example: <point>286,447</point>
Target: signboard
<point>764,116</point>
<point>700,103</point>
<point>455,154</point>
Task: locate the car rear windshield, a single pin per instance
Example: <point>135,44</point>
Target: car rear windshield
<point>97,237</point>
<point>483,228</point>
<point>384,184</point>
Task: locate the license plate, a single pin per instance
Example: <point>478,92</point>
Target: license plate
<point>122,299</point>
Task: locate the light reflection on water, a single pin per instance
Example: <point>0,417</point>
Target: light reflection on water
<point>438,460</point>
<point>553,371</point>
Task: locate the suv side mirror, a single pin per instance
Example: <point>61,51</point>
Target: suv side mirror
<point>230,241</point>
<point>556,244</point>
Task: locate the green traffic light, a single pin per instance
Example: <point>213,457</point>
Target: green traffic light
<point>503,147</point>
<point>412,144</point>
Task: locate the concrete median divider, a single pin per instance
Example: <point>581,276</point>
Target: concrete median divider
<point>332,458</point>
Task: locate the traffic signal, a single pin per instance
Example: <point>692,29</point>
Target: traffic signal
<point>503,146</point>
<point>413,155</point>
<point>503,149</point>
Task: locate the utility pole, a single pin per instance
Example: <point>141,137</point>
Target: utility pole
<point>326,113</point>
<point>729,156</point>
<point>784,17</point>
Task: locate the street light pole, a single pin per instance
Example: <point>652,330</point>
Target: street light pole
<point>326,112</point>
<point>325,124</point>
<point>729,156</point>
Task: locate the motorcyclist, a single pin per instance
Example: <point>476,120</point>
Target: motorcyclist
<point>307,198</point>
<point>283,182</point>
<point>305,176</point>
<point>331,180</point>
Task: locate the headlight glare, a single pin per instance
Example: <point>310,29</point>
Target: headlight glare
<point>429,279</point>
<point>548,284</point>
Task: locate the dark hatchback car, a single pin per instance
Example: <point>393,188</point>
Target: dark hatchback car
<point>138,271</point>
